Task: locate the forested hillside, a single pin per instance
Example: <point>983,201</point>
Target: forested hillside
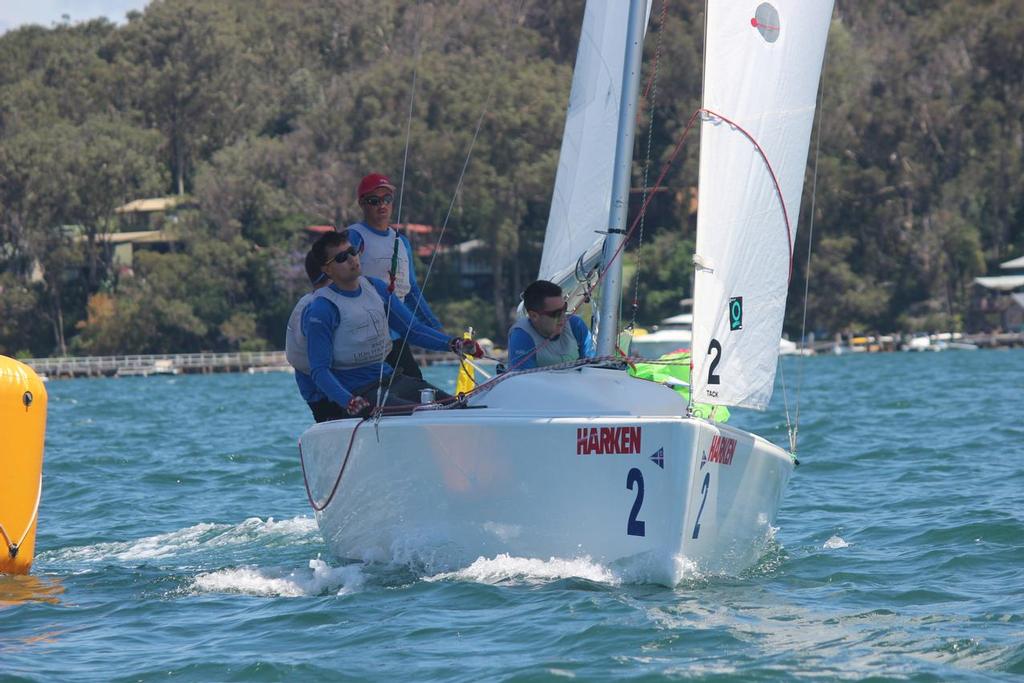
<point>267,112</point>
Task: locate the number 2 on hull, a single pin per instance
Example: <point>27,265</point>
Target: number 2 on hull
<point>704,490</point>
<point>635,527</point>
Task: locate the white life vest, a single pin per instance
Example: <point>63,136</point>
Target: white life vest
<point>362,336</point>
<point>376,257</point>
<point>295,349</point>
<point>563,349</point>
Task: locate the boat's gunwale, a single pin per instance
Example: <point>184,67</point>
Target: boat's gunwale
<point>495,416</point>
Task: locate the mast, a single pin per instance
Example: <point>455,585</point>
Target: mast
<point>611,284</point>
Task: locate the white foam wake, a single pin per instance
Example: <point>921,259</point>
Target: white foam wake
<point>505,568</point>
<point>835,542</point>
<point>188,540</point>
<point>319,579</point>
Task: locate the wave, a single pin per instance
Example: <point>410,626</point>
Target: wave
<point>506,569</point>
<point>835,542</point>
<point>189,541</point>
<point>319,579</point>
<point>231,558</point>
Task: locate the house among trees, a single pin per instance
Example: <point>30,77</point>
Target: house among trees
<point>999,299</point>
<point>144,224</point>
<point>468,261</point>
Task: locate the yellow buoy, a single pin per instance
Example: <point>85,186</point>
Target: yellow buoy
<point>23,423</point>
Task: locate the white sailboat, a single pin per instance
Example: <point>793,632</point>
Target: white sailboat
<point>588,461</point>
<point>673,334</point>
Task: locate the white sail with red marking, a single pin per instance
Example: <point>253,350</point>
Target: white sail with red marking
<point>761,70</point>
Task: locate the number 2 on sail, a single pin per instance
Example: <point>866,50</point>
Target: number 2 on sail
<point>635,527</point>
<point>715,347</point>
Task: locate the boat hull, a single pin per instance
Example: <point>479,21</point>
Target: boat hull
<point>653,495</point>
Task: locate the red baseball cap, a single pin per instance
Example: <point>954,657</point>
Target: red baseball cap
<point>372,182</point>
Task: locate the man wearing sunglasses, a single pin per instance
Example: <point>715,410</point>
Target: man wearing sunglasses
<point>548,335</point>
<point>347,326</point>
<point>295,341</point>
<point>387,253</point>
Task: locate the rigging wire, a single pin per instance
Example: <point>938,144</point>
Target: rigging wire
<point>401,194</point>
<point>638,221</point>
<point>708,114</point>
<point>807,270</point>
<point>469,153</point>
<point>455,195</point>
<point>652,88</point>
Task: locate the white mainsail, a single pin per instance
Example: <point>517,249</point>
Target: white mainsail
<point>761,70</point>
<point>583,184</point>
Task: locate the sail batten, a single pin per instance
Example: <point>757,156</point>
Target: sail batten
<point>761,71</point>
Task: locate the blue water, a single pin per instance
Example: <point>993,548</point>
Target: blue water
<point>176,543</point>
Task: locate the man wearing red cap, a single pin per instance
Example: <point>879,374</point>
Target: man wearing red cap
<point>387,255</point>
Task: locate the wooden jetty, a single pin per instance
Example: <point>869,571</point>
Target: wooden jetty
<point>258,362</point>
<point>253,362</point>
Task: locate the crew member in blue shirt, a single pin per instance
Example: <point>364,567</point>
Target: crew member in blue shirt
<point>294,341</point>
<point>347,337</point>
<point>547,336</point>
<point>384,251</point>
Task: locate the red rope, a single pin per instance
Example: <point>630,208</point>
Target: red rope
<point>651,195</point>
<point>486,386</point>
<point>622,244</point>
<point>440,404</point>
<point>775,181</point>
<point>446,403</point>
<point>668,166</point>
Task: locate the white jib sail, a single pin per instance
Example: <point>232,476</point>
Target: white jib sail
<point>761,69</point>
<point>583,185</point>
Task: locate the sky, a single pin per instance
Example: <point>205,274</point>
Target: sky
<point>15,13</point>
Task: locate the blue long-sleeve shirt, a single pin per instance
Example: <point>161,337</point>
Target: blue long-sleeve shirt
<point>307,387</point>
<point>423,312</point>
<point>521,354</point>
<point>320,320</point>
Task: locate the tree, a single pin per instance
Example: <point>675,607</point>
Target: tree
<point>183,54</point>
<point>242,191</point>
<point>109,163</point>
<point>270,112</point>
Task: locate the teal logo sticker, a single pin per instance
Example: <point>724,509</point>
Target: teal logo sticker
<point>736,313</point>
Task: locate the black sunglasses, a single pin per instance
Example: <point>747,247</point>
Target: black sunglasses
<point>557,313</point>
<point>343,255</point>
<point>374,200</point>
